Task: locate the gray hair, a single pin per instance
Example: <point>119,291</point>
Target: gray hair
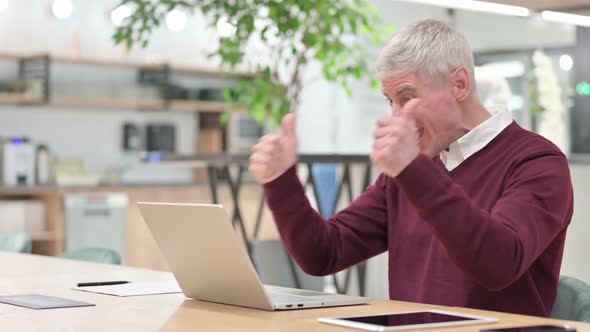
<point>431,49</point>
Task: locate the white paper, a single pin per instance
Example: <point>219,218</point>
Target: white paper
<point>135,288</point>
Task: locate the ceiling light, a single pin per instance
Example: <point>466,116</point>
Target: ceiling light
<point>566,18</point>
<point>176,20</point>
<point>62,9</point>
<point>119,14</point>
<point>225,28</point>
<point>566,63</point>
<point>479,6</point>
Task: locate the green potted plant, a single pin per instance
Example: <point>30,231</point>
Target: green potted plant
<point>336,34</point>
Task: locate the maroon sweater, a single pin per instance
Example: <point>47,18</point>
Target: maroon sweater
<point>487,235</point>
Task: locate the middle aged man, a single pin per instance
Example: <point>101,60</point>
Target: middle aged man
<point>472,208</point>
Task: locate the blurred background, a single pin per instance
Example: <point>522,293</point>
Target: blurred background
<point>91,124</point>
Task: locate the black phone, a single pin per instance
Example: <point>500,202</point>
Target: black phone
<point>538,328</point>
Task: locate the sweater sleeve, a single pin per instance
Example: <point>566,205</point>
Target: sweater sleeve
<point>320,246</point>
<point>495,247</point>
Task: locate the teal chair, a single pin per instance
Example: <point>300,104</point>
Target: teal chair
<point>95,255</point>
<point>573,300</point>
<point>16,242</point>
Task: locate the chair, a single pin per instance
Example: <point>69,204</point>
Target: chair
<point>95,255</point>
<point>16,242</point>
<point>573,300</point>
<point>275,267</point>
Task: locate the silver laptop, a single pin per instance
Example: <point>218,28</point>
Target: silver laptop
<point>210,262</point>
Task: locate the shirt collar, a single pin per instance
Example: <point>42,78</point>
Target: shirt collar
<point>477,138</point>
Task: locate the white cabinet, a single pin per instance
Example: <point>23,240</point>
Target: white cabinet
<point>96,220</point>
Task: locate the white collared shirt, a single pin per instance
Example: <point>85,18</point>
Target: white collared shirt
<point>477,138</point>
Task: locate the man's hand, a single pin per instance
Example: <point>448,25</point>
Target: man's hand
<point>275,154</point>
<point>396,140</point>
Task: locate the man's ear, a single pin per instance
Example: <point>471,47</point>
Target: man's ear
<point>461,84</point>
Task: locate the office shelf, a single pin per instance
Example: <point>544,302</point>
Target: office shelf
<point>15,56</point>
<point>187,70</point>
<point>198,106</point>
<point>107,103</point>
<point>117,103</point>
<point>141,104</point>
<point>158,75</point>
<point>105,63</point>
<point>19,98</point>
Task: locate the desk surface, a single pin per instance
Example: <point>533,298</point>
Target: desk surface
<point>20,274</point>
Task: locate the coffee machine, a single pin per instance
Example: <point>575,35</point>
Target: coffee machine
<point>18,161</point>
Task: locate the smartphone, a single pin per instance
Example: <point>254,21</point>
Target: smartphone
<point>538,328</point>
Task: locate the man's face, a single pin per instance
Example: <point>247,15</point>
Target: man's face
<point>438,116</point>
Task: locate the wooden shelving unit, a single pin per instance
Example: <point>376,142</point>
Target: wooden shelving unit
<point>197,106</point>
<point>209,72</point>
<point>50,241</point>
<point>120,103</point>
<point>129,64</point>
<point>15,56</point>
<point>112,103</point>
<point>106,63</point>
<point>19,98</point>
<point>185,70</point>
<point>142,104</point>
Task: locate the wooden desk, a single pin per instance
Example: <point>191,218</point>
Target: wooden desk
<point>21,274</point>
